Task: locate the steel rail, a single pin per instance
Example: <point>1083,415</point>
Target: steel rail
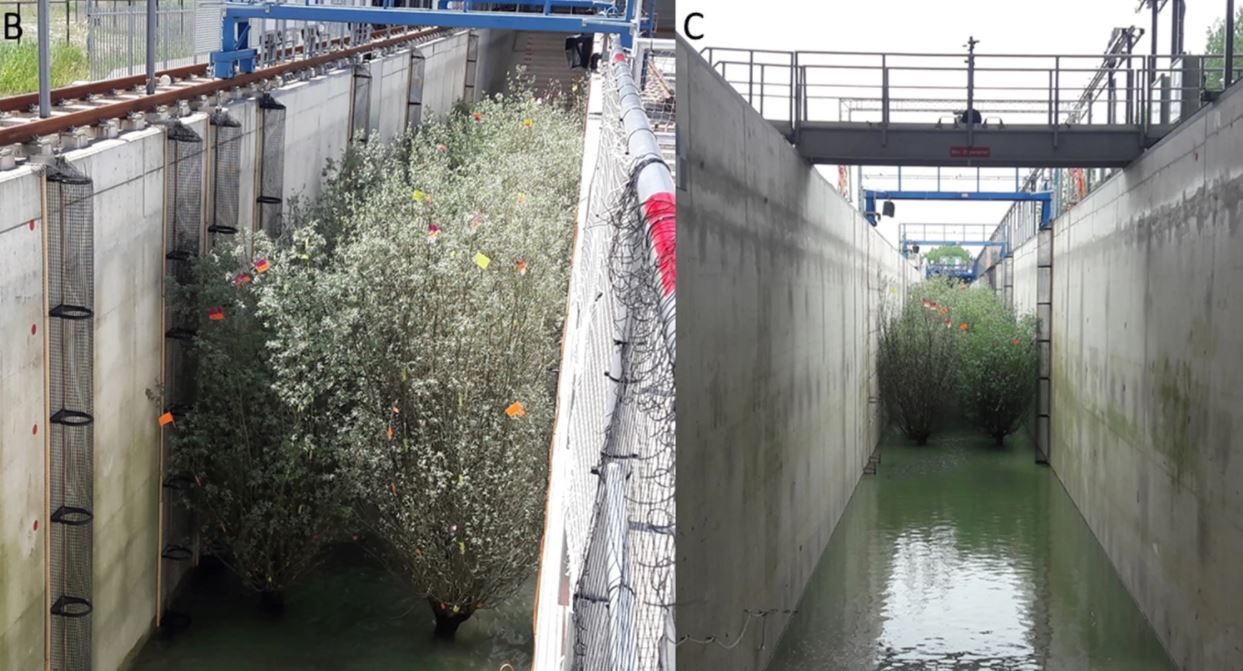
<point>24,132</point>
<point>24,101</point>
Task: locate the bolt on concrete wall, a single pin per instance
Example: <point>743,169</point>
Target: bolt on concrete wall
<point>783,283</point>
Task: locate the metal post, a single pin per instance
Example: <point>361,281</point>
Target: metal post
<point>751,77</point>
<point>151,21</point>
<point>1111,110</point>
<point>884,92</point>
<point>1152,58</point>
<point>1229,79</point>
<point>1177,20</point>
<point>762,67</point>
<point>1057,90</point>
<point>1130,82</point>
<point>971,42</point>
<point>1050,114</point>
<point>45,63</point>
<point>794,104</point>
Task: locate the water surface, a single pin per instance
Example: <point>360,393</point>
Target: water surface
<point>349,616</point>
<point>962,555</point>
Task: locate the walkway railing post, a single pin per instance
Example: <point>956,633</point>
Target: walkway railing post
<point>763,67</point>
<point>884,99</point>
<point>1050,114</point>
<point>794,102</point>
<point>1057,90</point>
<point>1229,51</point>
<point>751,77</point>
<point>970,114</point>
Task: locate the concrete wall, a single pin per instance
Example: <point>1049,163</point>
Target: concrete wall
<point>444,74</point>
<point>1147,378</point>
<point>495,52</point>
<point>23,423</point>
<point>781,284</point>
<point>1024,260</point>
<point>128,175</point>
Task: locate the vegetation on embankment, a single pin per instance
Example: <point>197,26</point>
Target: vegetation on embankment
<point>19,66</point>
<point>382,369</point>
<point>954,350</point>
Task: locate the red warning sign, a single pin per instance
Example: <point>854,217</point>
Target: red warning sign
<point>971,152</point>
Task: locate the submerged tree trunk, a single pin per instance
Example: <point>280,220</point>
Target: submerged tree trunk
<point>447,621</point>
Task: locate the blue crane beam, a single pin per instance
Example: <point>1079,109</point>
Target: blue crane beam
<point>600,5</point>
<point>1043,197</point>
<point>907,242</point>
<point>959,243</point>
<point>236,55</point>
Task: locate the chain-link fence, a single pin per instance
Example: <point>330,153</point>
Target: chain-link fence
<point>611,509</point>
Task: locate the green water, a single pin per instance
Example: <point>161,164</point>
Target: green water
<point>350,616</point>
<point>961,555</point>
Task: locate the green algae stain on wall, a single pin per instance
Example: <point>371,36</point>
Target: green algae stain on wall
<point>1179,412</point>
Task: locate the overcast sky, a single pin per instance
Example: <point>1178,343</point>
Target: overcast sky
<point>937,26</point>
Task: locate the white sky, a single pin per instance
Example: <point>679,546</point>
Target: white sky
<point>937,26</point>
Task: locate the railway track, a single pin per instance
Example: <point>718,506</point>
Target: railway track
<point>84,113</point>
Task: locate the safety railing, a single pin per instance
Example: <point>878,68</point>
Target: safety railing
<point>977,90</point>
<point>115,36</point>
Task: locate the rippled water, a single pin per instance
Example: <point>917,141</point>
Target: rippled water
<point>961,555</point>
<point>351,616</point>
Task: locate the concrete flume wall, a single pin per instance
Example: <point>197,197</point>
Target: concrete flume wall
<point>23,422</point>
<point>1147,378</point>
<point>128,175</point>
<point>1024,261</point>
<point>781,283</point>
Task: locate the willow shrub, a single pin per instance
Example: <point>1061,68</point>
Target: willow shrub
<point>915,365</point>
<point>997,361</point>
<point>264,494</point>
<point>422,314</point>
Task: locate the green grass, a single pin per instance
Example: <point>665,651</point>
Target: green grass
<point>19,66</point>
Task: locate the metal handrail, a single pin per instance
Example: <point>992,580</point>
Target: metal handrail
<point>1126,90</point>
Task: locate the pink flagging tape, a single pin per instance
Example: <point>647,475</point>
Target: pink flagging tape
<point>661,211</point>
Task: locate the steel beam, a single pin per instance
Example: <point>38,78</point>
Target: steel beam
<point>236,56</point>
<point>600,5</point>
<point>401,16</point>
<point>1026,146</point>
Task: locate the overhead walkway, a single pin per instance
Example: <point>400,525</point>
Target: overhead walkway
<point>967,109</point>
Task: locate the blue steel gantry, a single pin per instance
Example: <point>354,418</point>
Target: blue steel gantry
<point>620,18</point>
<point>1045,198</point>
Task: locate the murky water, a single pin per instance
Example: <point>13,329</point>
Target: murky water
<point>351,616</point>
<point>961,555</point>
